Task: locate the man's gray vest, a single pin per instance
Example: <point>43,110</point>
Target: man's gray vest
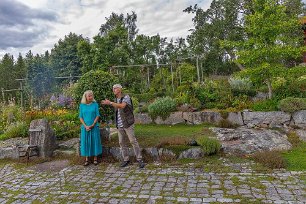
<point>126,114</point>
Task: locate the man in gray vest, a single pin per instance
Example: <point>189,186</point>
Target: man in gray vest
<point>124,118</point>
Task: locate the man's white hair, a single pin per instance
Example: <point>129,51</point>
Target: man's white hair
<point>117,86</point>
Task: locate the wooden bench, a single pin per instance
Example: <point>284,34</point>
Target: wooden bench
<point>29,150</point>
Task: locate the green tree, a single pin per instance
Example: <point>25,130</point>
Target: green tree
<point>270,41</point>
<point>7,77</point>
<point>20,67</point>
<point>101,84</point>
<point>64,56</point>
<point>222,21</point>
<point>39,76</point>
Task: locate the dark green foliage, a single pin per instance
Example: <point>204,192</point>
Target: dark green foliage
<point>265,105</point>
<point>64,58</point>
<point>40,76</point>
<point>101,84</point>
<point>292,104</point>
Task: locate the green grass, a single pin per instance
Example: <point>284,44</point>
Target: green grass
<point>296,158</point>
<point>151,135</point>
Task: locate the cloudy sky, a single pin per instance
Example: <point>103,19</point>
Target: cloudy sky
<point>39,24</point>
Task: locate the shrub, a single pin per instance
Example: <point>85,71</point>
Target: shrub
<point>10,114</point>
<point>66,129</point>
<point>240,83</point>
<point>292,104</point>
<point>210,145</point>
<point>144,97</point>
<point>270,159</point>
<point>213,93</point>
<point>165,142</point>
<point>101,84</point>
<point>195,103</point>
<point>162,107</point>
<point>242,86</point>
<point>224,123</point>
<point>18,129</point>
<point>294,139</point>
<point>266,105</point>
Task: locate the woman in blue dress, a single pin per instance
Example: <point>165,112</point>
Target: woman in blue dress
<point>90,132</point>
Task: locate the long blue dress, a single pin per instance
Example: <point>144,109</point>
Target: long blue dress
<point>90,140</point>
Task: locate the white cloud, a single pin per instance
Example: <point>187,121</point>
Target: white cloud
<point>85,17</point>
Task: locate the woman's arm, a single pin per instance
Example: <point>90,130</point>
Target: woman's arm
<point>81,119</point>
<point>86,127</point>
<point>95,121</point>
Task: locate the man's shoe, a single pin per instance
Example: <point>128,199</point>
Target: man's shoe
<point>141,164</point>
<point>124,164</point>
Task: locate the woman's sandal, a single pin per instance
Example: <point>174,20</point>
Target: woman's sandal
<point>86,163</point>
<point>95,162</point>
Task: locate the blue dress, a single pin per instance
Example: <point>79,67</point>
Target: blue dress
<point>90,140</point>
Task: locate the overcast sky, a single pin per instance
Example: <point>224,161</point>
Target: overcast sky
<point>38,24</point>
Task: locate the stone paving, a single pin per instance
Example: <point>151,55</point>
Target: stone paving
<point>107,183</point>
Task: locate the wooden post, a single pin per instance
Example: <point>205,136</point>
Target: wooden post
<point>3,98</point>
<point>202,72</point>
<point>172,77</point>
<point>21,94</point>
<point>148,72</point>
<point>70,80</point>
<point>198,70</point>
<point>180,76</point>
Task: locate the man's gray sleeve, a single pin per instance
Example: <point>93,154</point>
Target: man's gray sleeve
<point>127,99</point>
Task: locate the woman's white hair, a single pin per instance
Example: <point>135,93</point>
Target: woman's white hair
<point>84,99</point>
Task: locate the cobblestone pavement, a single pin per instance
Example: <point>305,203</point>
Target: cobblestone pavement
<point>107,183</point>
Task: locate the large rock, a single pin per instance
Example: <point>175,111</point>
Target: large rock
<point>105,135</point>
<point>302,134</point>
<point>69,144</point>
<point>299,119</point>
<point>142,118</point>
<point>202,117</point>
<point>152,152</point>
<point>235,118</point>
<point>9,152</point>
<point>116,153</point>
<point>42,135</point>
<point>193,153</point>
<point>166,153</point>
<point>247,141</point>
<point>174,118</point>
<point>266,119</point>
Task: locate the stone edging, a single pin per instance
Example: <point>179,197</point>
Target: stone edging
<point>251,119</point>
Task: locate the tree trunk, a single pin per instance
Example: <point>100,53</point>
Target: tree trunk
<point>233,57</point>
<point>269,88</point>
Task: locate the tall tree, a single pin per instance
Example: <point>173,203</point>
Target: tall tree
<point>40,76</point>
<point>20,67</point>
<point>64,56</point>
<point>270,41</point>
<point>7,77</point>
<point>222,21</point>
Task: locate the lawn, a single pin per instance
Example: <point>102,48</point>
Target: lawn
<point>296,158</point>
<point>153,135</point>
